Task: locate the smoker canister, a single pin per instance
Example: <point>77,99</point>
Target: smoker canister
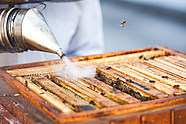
<point>26,29</point>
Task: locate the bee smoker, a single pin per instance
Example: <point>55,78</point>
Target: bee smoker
<point>26,29</point>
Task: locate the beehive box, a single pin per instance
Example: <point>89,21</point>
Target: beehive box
<point>145,85</point>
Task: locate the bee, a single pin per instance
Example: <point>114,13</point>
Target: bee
<point>176,86</point>
<point>122,23</point>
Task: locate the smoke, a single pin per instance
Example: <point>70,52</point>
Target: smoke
<point>73,71</point>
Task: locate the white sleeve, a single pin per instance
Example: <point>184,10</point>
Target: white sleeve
<point>77,26</point>
<point>88,38</point>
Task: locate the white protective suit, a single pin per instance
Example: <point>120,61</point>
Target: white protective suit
<point>77,27</point>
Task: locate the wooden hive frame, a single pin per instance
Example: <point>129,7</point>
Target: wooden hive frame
<point>22,101</point>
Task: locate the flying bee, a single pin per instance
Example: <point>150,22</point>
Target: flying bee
<point>122,23</point>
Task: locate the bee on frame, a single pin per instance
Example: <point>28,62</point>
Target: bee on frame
<point>122,23</point>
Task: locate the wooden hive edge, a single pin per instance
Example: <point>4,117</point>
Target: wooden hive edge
<point>135,118</point>
<point>94,62</point>
<point>20,107</point>
<point>38,101</point>
<point>79,58</point>
<point>126,109</point>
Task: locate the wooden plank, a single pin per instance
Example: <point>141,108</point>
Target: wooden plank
<point>83,58</point>
<point>173,60</point>
<point>35,70</point>
<point>11,108</point>
<point>45,95</point>
<point>7,117</point>
<point>70,99</point>
<point>169,82</point>
<point>3,120</point>
<point>147,116</point>
<point>171,64</point>
<point>21,113</point>
<point>119,119</point>
<point>179,115</point>
<point>108,91</point>
<point>164,75</point>
<point>57,67</point>
<point>167,68</point>
<point>84,92</point>
<point>128,57</point>
<point>127,109</point>
<point>175,77</point>
<point>137,87</point>
<point>157,118</point>
<point>176,64</point>
<point>20,107</point>
<point>179,59</point>
<point>112,54</point>
<point>170,51</point>
<point>130,118</point>
<point>77,58</point>
<point>32,97</point>
<point>148,80</point>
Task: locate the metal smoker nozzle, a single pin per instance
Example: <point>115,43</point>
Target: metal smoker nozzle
<point>26,29</point>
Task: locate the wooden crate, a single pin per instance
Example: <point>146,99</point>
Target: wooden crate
<point>145,85</point>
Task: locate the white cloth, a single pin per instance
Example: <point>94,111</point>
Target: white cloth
<point>77,27</point>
